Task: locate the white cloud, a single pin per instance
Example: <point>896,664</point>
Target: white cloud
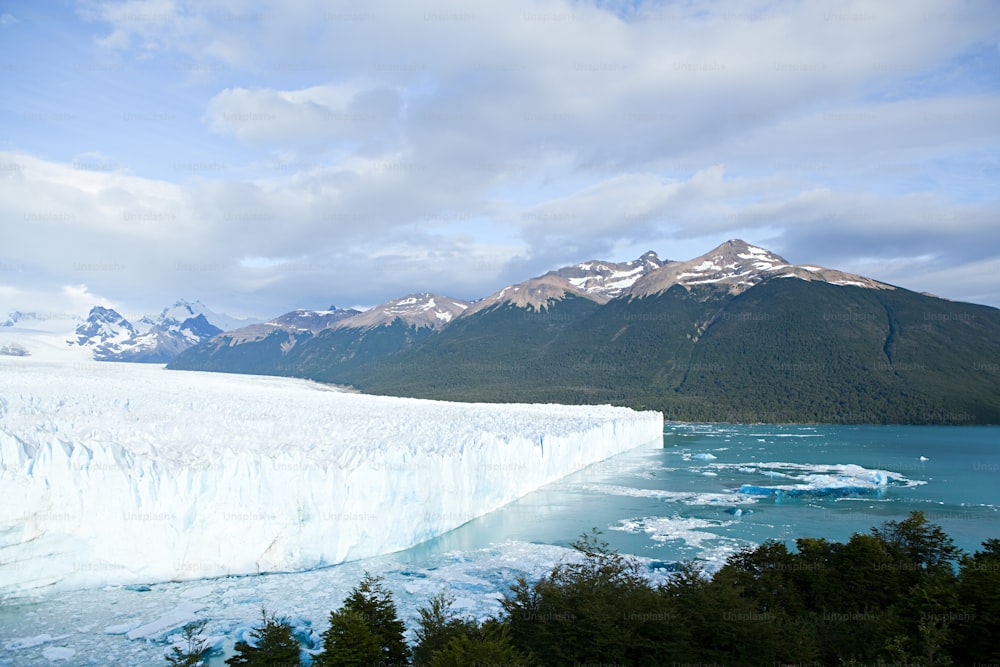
<point>282,242</point>
<point>317,116</point>
<point>360,141</point>
<point>65,301</point>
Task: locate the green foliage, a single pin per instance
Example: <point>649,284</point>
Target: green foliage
<point>899,594</point>
<point>273,646</point>
<point>488,645</point>
<point>890,596</point>
<point>366,630</point>
<point>194,649</point>
<point>597,610</point>
<point>917,543</point>
<point>349,642</point>
<point>976,622</point>
<point>437,626</point>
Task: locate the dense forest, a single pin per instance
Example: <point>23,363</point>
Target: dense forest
<point>784,351</point>
<point>901,594</point>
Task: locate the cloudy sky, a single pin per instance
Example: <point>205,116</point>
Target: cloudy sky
<point>303,153</point>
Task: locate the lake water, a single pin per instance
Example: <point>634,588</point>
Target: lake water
<point>702,493</point>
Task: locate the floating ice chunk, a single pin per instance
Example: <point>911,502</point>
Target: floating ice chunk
<point>57,653</point>
<point>686,497</point>
<point>818,481</point>
<point>198,592</point>
<point>704,456</point>
<point>923,458</point>
<point>27,642</point>
<point>691,531</point>
<point>167,623</point>
<point>122,628</point>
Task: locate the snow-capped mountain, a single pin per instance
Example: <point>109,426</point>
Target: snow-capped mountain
<point>738,333</point>
<point>183,310</point>
<point>312,320</point>
<point>737,266</point>
<point>609,279</point>
<point>152,339</point>
<point>318,338</point>
<point>419,310</point>
<point>104,326</point>
<point>293,324</point>
<point>595,280</point>
<point>42,321</point>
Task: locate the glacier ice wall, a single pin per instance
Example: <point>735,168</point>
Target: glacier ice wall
<point>124,473</point>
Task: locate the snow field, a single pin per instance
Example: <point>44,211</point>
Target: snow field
<point>127,473</point>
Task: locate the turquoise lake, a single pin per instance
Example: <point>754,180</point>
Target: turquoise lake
<point>694,496</point>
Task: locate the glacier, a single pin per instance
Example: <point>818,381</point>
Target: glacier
<point>116,473</point>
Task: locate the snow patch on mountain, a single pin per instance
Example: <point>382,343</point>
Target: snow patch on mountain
<point>111,337</point>
<point>50,322</point>
<point>609,279</point>
<point>420,310</point>
<point>595,280</point>
<point>738,266</point>
<point>152,339</point>
<point>294,323</point>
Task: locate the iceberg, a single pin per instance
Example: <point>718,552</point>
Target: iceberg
<point>117,473</point>
<point>822,481</point>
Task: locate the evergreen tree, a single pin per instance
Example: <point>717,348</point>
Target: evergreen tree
<point>488,645</point>
<point>597,610</point>
<point>194,649</point>
<point>437,626</point>
<point>349,642</point>
<point>977,619</point>
<point>368,612</point>
<point>274,646</point>
<point>918,542</point>
<point>889,596</point>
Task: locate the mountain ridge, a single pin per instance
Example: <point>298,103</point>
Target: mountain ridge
<point>596,280</point>
<point>723,337</point>
<point>738,265</point>
<point>151,339</point>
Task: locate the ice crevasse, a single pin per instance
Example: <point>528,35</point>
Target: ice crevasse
<point>126,473</point>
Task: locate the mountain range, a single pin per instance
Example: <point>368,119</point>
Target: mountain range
<point>737,334</point>
<point>150,339</point>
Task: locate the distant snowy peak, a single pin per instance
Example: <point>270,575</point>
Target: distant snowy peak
<point>183,310</point>
<point>160,343</point>
<point>736,266</point>
<point>313,320</point>
<point>151,339</point>
<point>54,322</point>
<point>609,279</point>
<point>534,294</point>
<point>596,280</point>
<point>294,322</point>
<point>420,310</point>
<point>103,326</point>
